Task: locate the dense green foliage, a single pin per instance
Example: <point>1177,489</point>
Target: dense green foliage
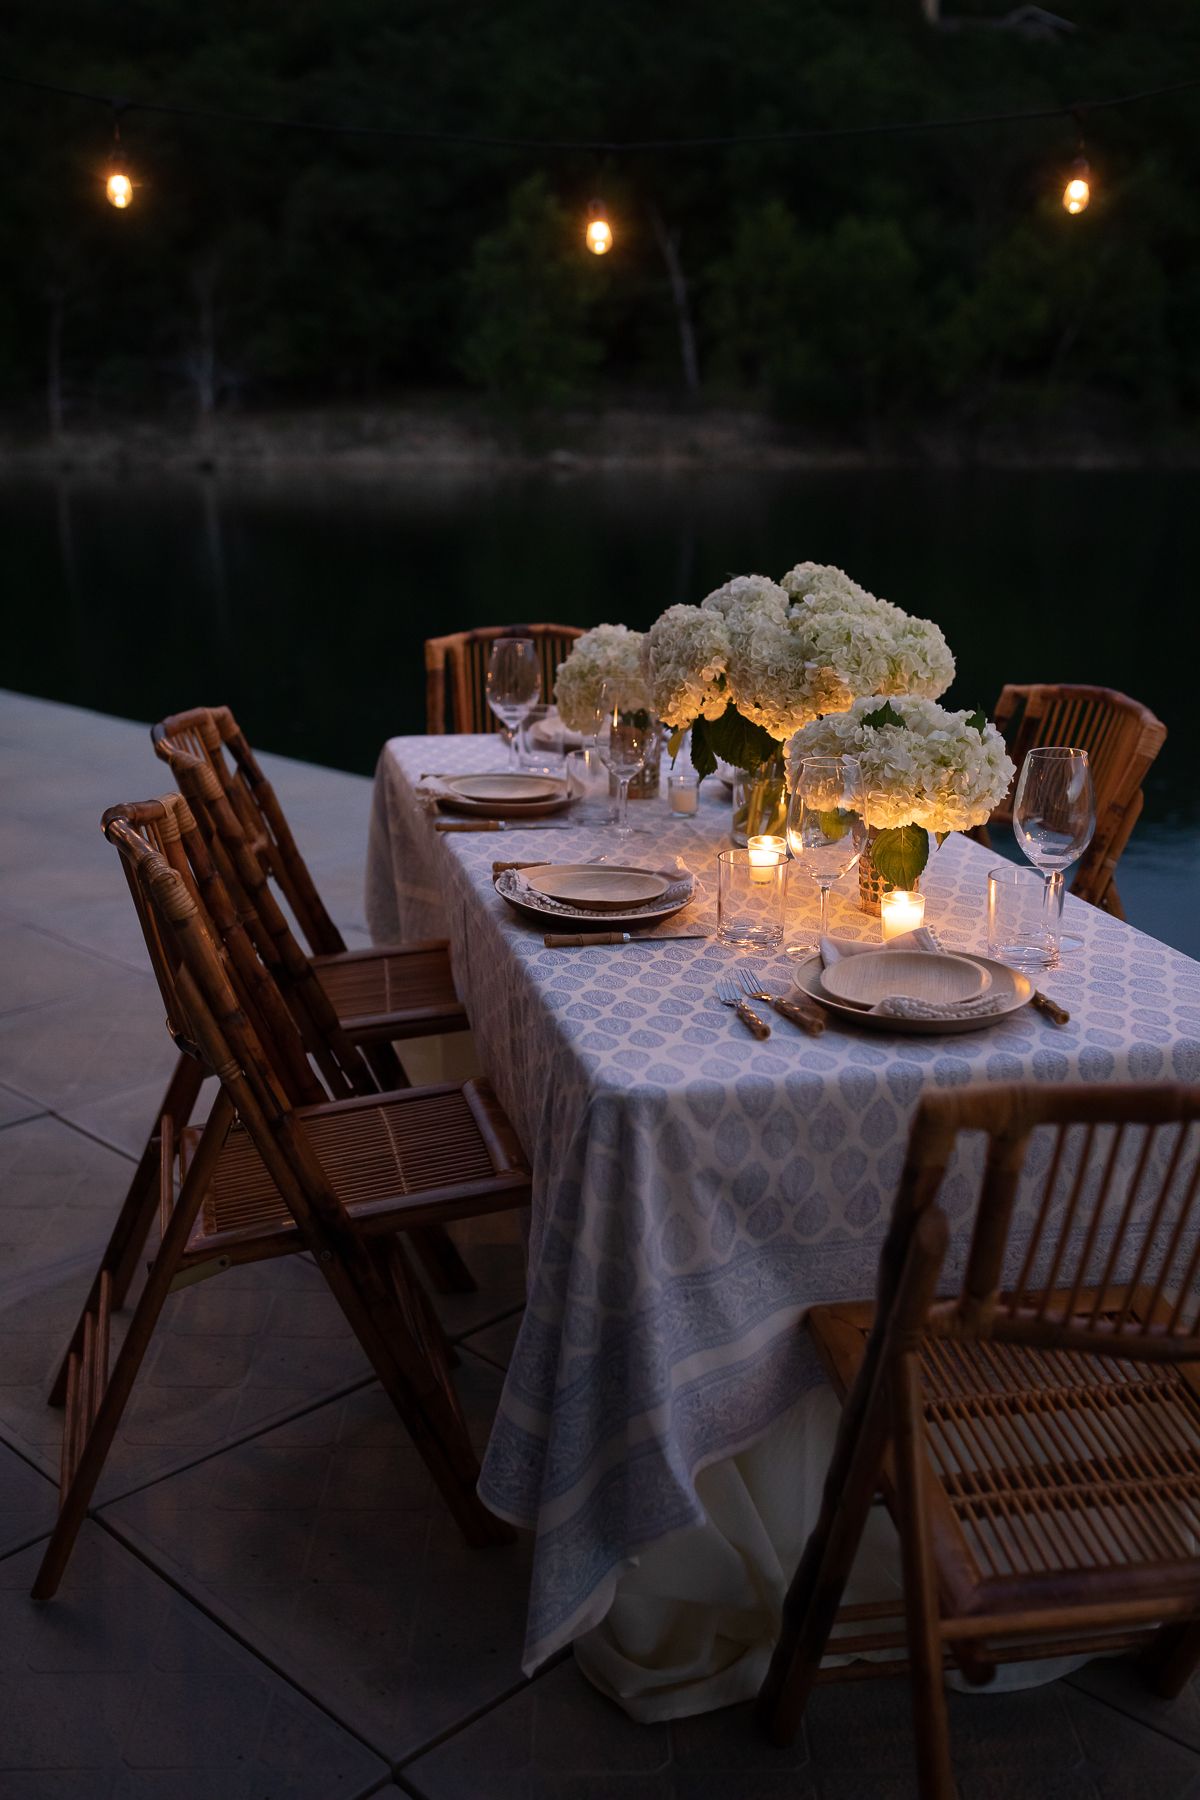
<point>859,284</point>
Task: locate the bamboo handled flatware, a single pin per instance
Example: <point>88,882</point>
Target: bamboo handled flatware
<point>804,1013</point>
<point>729,993</point>
<point>497,825</point>
<point>582,940</point>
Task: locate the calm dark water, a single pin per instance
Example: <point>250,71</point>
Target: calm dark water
<point>303,602</point>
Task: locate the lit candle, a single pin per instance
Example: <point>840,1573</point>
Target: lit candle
<point>684,795</point>
<point>902,911</point>
<point>766,853</point>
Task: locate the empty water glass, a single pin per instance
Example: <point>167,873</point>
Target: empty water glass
<point>1022,920</point>
<point>751,898</point>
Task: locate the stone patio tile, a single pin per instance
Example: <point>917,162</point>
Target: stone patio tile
<point>496,1342</point>
<point>558,1737</point>
<point>59,1193</point>
<point>27,1502</point>
<point>15,1107</point>
<point>105,1041</point>
<point>36,968</point>
<point>120,1688</point>
<point>125,1120</point>
<point>324,1545</point>
<point>1118,1683</point>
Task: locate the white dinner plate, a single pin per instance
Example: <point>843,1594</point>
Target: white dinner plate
<point>526,900</point>
<point>516,789</point>
<point>599,887</point>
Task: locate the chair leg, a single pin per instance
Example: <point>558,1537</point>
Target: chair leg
<point>935,1774</point>
<point>1111,902</point>
<point>96,1400</point>
<point>128,1237</point>
<point>1171,1659</point>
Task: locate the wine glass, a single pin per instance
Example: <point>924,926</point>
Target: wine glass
<point>514,682</point>
<point>1054,816</point>
<point>623,737</point>
<point>826,830</point>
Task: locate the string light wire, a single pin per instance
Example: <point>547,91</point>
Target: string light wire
<point>612,146</point>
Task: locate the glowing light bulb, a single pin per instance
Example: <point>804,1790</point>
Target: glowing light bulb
<point>119,190</point>
<point>598,236</point>
<point>1078,191</point>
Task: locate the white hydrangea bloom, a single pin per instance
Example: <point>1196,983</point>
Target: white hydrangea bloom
<point>606,653</point>
<point>753,593</point>
<point>685,654</point>
<point>823,583</point>
<point>936,770</point>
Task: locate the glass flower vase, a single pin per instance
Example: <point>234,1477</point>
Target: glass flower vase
<point>760,802</point>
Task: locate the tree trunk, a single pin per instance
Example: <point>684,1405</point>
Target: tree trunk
<point>56,294</point>
<point>668,243</point>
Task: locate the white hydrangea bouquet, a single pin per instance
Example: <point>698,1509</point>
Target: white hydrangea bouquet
<point>924,770</point>
<point>757,660</point>
<point>606,653</point>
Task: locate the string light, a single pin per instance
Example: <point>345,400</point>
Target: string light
<point>118,188</point>
<point>598,237</point>
<point>1077,194</point>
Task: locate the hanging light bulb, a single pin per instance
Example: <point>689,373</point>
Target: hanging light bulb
<point>1078,191</point>
<point>598,236</point>
<point>118,188</point>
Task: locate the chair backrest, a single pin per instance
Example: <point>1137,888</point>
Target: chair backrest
<point>212,734</point>
<point>1122,738</point>
<point>1091,1242</point>
<point>196,984</point>
<point>456,672</point>
<point>168,825</point>
<point>223,840</point>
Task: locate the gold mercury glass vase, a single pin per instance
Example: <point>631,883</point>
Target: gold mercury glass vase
<point>872,886</point>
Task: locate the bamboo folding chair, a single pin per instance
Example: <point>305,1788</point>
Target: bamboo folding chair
<point>1122,738</point>
<point>456,673</point>
<point>266,1176</point>
<point>353,1049</point>
<point>1038,1447</point>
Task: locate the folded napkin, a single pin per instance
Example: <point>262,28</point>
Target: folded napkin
<point>549,733</point>
<point>920,939</point>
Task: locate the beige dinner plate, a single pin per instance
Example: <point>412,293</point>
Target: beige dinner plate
<point>922,975</point>
<point>512,790</point>
<point>599,887</point>
<point>1016,990</point>
<point>523,899</point>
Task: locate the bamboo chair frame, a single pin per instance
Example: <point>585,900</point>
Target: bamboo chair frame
<point>1122,738</point>
<point>379,996</point>
<point>456,673</point>
<point>1038,1447</point>
<point>353,1056</point>
<point>264,1177</point>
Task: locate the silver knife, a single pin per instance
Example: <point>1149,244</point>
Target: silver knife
<point>579,940</point>
<point>497,825</point>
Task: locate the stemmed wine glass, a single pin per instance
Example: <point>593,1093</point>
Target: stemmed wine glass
<point>826,830</point>
<point>514,682</point>
<point>1054,816</point>
<point>623,738</point>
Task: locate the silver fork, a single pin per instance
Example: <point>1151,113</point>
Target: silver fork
<point>729,993</point>
<point>807,1015</point>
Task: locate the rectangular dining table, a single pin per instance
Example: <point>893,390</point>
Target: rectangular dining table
<point>695,1190</point>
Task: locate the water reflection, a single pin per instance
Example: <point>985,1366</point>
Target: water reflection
<point>303,598</point>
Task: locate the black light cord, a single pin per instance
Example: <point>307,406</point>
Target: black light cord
<point>612,146</point>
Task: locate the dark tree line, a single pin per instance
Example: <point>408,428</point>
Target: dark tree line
<point>864,283</point>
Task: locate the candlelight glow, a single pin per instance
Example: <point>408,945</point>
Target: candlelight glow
<point>119,190</point>
<point>902,911</point>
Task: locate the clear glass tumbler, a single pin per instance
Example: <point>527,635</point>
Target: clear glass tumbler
<point>587,782</point>
<point>751,899</point>
<point>1023,919</point>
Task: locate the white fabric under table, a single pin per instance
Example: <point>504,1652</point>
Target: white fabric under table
<point>694,1192</point>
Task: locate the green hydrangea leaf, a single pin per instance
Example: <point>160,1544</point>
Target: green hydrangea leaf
<point>673,742</point>
<point>883,715</point>
<point>703,760</point>
<point>979,721</point>
<point>901,853</point>
<point>735,740</point>
<point>835,824</point>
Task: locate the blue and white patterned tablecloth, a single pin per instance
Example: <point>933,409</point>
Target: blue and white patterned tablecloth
<point>696,1190</point>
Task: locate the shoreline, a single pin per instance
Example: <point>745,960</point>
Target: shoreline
<point>378,441</point>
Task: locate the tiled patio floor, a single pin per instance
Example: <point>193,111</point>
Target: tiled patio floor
<point>267,1604</point>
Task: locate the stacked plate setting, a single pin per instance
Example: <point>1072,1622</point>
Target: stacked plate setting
<point>503,796</point>
<point>605,894</point>
<point>855,984</point>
